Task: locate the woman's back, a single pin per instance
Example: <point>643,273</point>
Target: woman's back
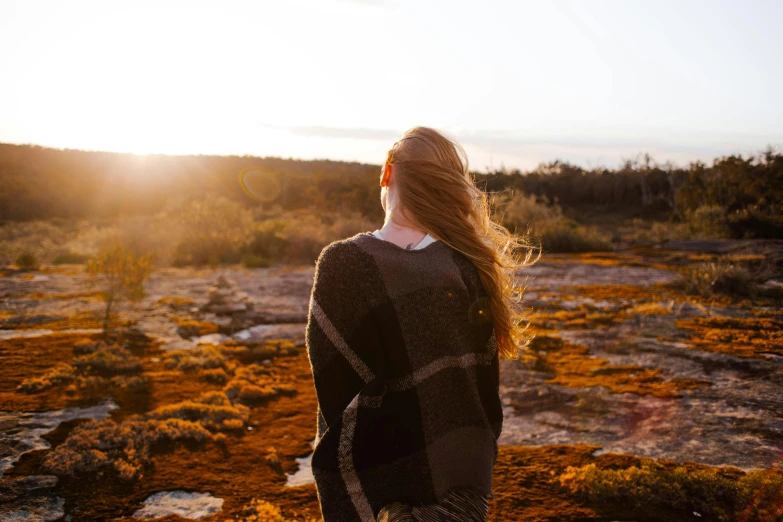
<point>405,366</point>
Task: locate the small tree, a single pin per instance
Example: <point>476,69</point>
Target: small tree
<point>120,274</point>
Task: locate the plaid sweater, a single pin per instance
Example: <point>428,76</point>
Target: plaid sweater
<point>405,367</point>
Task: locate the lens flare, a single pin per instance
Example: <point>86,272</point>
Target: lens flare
<point>260,184</point>
<point>480,312</point>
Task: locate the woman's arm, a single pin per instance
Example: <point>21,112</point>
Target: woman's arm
<point>342,339</point>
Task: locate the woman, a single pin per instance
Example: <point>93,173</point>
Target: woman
<point>405,328</point>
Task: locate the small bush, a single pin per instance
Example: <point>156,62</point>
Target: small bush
<point>213,410</point>
<point>708,221</point>
<point>262,511</point>
<point>124,447</point>
<point>721,494</point>
<point>27,261</point>
<point>252,384</point>
<point>526,214</point>
<point>110,360</point>
<point>753,223</point>
<point>70,258</point>
<point>722,277</point>
<point>188,328</point>
<point>61,374</point>
<point>120,274</point>
<point>564,237</point>
<point>255,261</point>
<point>205,356</point>
<point>100,366</point>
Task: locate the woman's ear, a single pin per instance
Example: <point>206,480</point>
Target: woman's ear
<point>386,174</point>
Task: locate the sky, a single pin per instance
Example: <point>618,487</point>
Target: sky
<point>516,82</point>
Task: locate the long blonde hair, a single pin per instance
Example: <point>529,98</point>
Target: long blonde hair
<point>438,194</point>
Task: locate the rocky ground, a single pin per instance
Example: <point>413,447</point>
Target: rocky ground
<point>200,405</point>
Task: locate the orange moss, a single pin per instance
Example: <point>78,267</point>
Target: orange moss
<point>288,422</point>
<point>89,370</point>
<point>188,327</point>
<point>744,337</point>
<point>262,511</point>
<point>723,494</point>
<point>82,320</point>
<point>255,383</point>
<point>61,296</point>
<point>175,301</point>
<point>582,316</point>
<point>571,365</point>
<point>656,292</point>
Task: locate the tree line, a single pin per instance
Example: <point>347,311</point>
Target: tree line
<point>41,183</point>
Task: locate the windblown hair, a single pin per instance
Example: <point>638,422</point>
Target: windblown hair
<point>438,194</point>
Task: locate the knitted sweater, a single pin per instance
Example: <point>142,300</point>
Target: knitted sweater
<point>405,367</point>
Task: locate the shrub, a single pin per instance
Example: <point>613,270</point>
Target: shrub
<point>120,275</point>
<point>255,261</point>
<point>188,328</point>
<point>70,258</point>
<point>262,511</point>
<point>722,276</point>
<point>89,370</point>
<point>565,237</point>
<point>124,447</point>
<point>253,384</point>
<point>721,494</point>
<point>214,231</point>
<point>751,222</point>
<point>110,360</point>
<point>205,356</point>
<point>213,410</point>
<point>27,261</point>
<point>526,214</point>
<point>709,221</point>
<point>61,374</point>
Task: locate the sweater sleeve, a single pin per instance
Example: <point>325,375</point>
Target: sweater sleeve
<point>342,337</point>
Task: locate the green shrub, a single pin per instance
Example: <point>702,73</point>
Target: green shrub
<point>213,231</point>
<point>722,276</point>
<point>565,237</point>
<point>708,221</point>
<point>120,275</point>
<point>720,494</point>
<point>753,223</point>
<point>27,261</point>
<point>255,261</point>
<point>70,258</point>
<point>526,214</point>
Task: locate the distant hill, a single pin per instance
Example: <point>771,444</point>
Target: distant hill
<point>38,182</point>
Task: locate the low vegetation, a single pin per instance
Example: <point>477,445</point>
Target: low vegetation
<point>119,274</point>
<point>720,494</point>
<point>101,365</point>
<point>545,224</point>
<point>125,447</point>
<point>262,511</point>
<point>572,365</point>
<point>27,262</point>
